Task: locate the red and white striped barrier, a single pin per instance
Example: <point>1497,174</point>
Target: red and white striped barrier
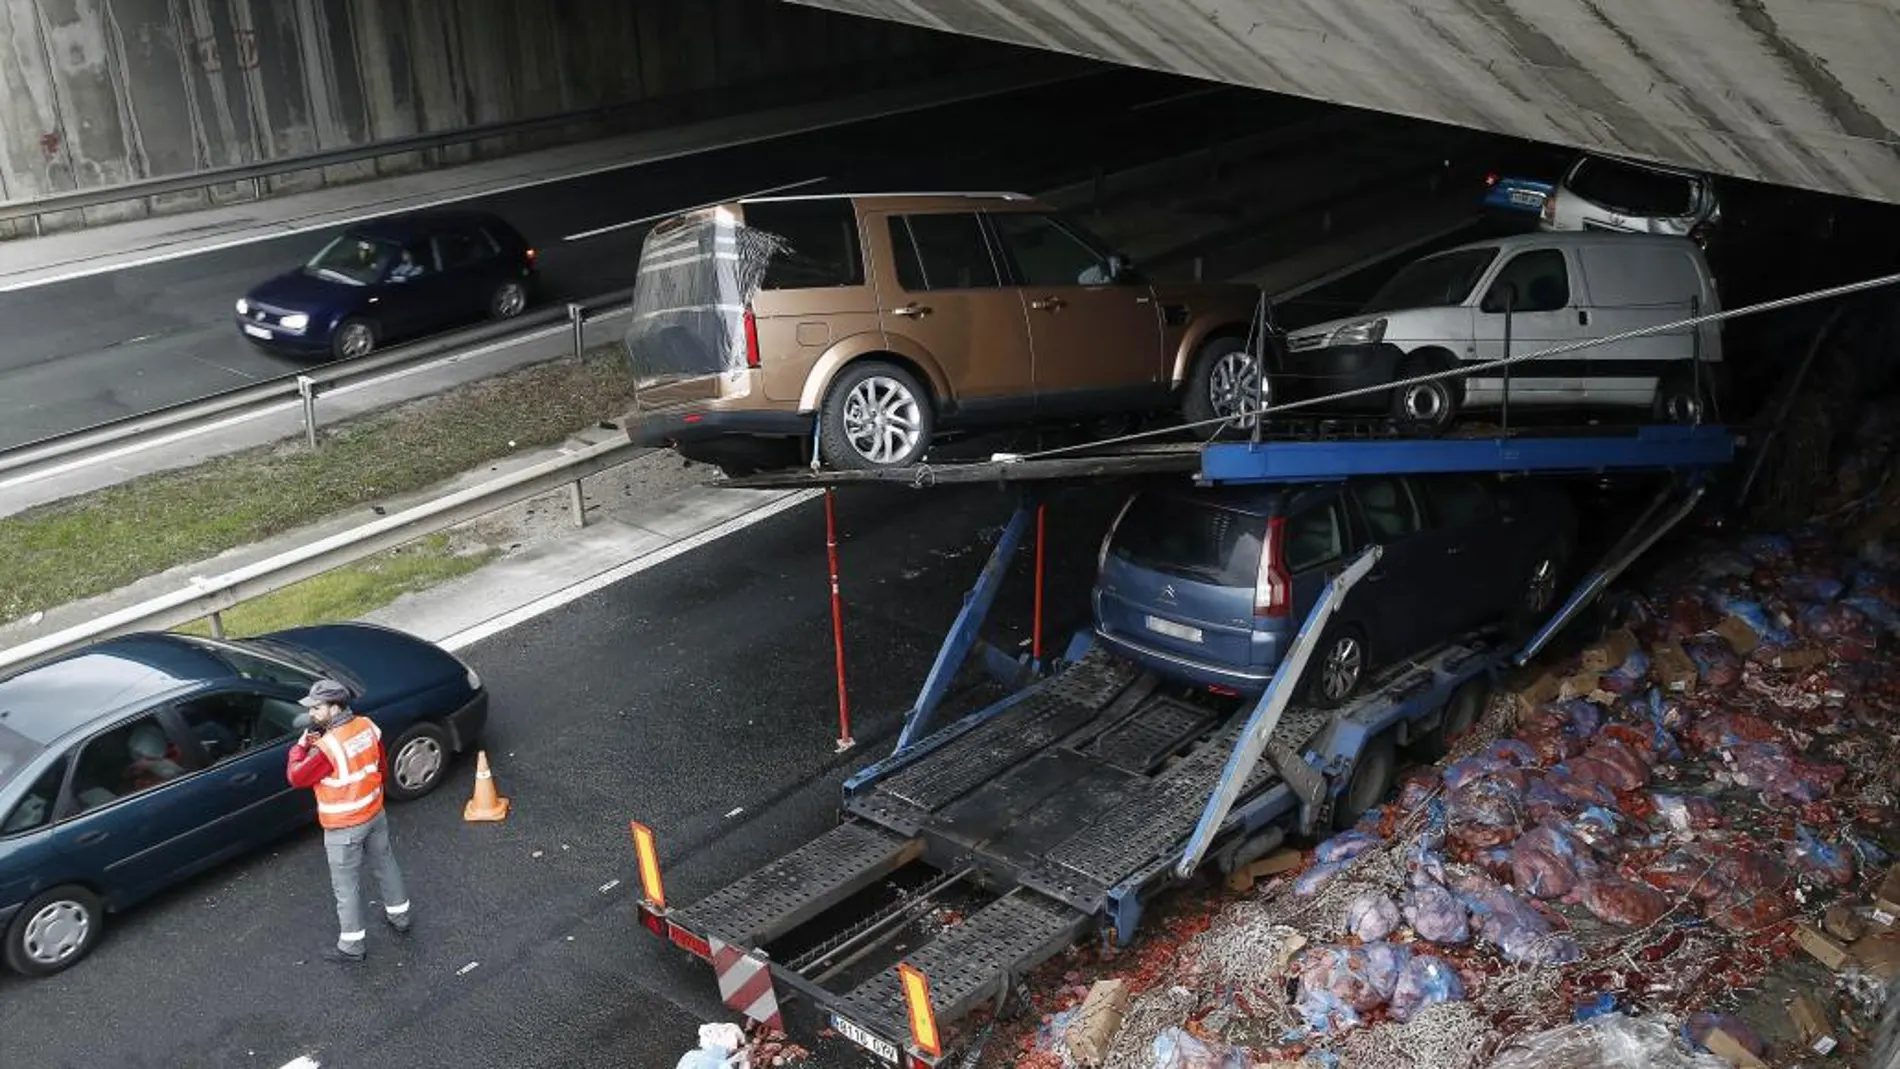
<point>745,985</point>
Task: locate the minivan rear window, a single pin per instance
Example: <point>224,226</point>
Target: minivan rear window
<point>820,243</point>
<point>1193,539</point>
<point>1631,190</point>
<point>1440,281</point>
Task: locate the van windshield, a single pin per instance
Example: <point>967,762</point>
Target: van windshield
<point>1190,538</point>
<point>1441,281</point>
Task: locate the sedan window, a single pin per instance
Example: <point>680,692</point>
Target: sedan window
<point>414,260</point>
<point>237,722</point>
<point>353,259</point>
<point>35,810</point>
<point>463,250</point>
<point>133,757</point>
<point>257,668</point>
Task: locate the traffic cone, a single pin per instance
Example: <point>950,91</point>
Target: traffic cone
<point>488,804</point>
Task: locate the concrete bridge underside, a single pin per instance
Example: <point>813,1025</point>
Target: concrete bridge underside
<point>1799,93</point>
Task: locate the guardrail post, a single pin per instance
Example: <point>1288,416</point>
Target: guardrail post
<point>577,316</point>
<point>307,389</point>
<point>578,502</point>
<point>217,625</point>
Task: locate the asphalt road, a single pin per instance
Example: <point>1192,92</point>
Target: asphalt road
<point>689,692</point>
<point>91,349</point>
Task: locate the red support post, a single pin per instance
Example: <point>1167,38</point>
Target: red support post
<point>1035,641</point>
<point>845,742</point>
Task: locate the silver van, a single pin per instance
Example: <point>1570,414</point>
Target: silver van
<point>1451,309</point>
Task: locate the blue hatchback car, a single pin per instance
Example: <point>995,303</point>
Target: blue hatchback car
<point>392,279</point>
<point>1209,586</point>
<point>140,761</point>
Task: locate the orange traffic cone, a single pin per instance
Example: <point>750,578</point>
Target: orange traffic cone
<point>488,804</point>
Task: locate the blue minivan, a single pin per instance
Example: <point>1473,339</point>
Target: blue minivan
<point>1209,586</point>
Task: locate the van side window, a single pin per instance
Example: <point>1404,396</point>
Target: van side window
<point>1542,280</point>
<point>1388,508</point>
<point>941,252</point>
<point>1314,537</point>
<point>820,239</point>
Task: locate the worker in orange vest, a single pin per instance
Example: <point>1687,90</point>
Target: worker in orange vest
<point>340,756</point>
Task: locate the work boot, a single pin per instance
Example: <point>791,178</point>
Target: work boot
<point>399,925</point>
<point>342,957</point>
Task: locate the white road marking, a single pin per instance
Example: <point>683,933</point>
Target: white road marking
<point>611,227</point>
<point>243,417</point>
<point>735,812</point>
<point>469,968</point>
<point>608,886</point>
<point>303,1061</point>
<point>496,625</point>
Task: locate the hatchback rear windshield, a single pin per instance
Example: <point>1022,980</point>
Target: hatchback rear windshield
<point>353,259</point>
<point>1192,539</point>
<point>1440,281</point>
<point>1632,190</point>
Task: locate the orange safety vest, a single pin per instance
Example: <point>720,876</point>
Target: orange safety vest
<point>353,791</point>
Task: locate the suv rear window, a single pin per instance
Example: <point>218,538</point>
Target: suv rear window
<point>1192,539</point>
<point>1631,190</point>
<point>820,239</point>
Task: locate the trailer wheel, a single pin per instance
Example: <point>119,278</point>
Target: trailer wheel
<point>1371,781</point>
<point>1461,714</point>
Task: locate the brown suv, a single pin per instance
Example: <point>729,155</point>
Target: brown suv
<point>870,323</point>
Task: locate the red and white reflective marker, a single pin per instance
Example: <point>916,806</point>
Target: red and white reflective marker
<point>745,985</point>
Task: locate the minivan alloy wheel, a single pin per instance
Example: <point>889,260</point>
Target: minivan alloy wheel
<point>357,340</point>
<point>1339,673</point>
<point>882,420</point>
<point>57,931</point>
<point>1234,389</point>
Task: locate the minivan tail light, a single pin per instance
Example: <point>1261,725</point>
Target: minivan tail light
<point>751,339</point>
<point>1491,179</point>
<point>531,255</point>
<point>1273,589</point>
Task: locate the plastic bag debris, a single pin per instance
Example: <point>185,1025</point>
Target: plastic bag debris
<point>1811,587</point>
<point>1313,879</point>
<point>722,1045</point>
<point>1770,768</point>
<point>1614,900</point>
<point>1175,1049</point>
<point>1825,862</point>
<point>1585,719</point>
<point>1731,729</point>
<point>1580,780</point>
<point>1424,980</point>
<point>1771,635</point>
<point>1469,769</point>
<point>1628,677</point>
<point>1338,983</point>
<point>1609,1041</point>
<point>1716,665</point>
<point>1697,1028</point>
<point>1687,813</point>
<point>1508,923</point>
<point>1544,862</point>
<point>1372,917</point>
<point>1628,771</point>
<point>1842,629</point>
<point>1768,550</point>
<point>1346,846</point>
<point>1487,810</point>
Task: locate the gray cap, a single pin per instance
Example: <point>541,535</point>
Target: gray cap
<point>327,691</point>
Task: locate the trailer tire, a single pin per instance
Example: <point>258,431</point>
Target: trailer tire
<point>1460,715</point>
<point>1371,781</point>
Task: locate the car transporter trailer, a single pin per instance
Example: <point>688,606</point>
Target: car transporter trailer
<point>1060,811</point>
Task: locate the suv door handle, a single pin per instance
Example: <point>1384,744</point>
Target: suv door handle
<point>1048,304</point>
<point>913,311</point>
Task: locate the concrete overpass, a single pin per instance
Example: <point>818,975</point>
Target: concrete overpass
<point>1800,93</point>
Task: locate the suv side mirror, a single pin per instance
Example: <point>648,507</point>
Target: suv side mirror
<point>1118,267</point>
<point>1501,297</point>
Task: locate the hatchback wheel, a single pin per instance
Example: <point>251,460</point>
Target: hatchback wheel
<point>509,300</point>
<point>875,416</point>
<point>353,338</point>
<point>54,930</point>
<point>1339,667</point>
<point>417,761</point>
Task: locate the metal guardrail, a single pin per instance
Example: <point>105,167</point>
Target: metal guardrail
<point>74,447</point>
<point>208,597</point>
<point>262,169</point>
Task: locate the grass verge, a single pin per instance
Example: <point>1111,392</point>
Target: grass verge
<point>353,590</point>
<point>98,542</point>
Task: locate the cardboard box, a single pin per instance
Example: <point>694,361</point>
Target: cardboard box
<point>1887,899</point>
<point>1740,637</point>
<point>1093,1030</point>
<point>1797,659</point>
<point>1536,690</point>
<point>1843,923</point>
<point>1579,685</point>
<point>1672,668</point>
<point>1282,860</point>
<point>1878,954</point>
<point>1825,949</point>
<point>1812,1023</point>
<point>1611,652</point>
<point>1724,1046</point>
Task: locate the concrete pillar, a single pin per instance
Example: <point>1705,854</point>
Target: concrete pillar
<point>32,142</point>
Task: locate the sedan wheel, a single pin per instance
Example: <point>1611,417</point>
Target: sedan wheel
<point>510,300</point>
<point>1341,667</point>
<point>882,420</point>
<point>54,931</point>
<point>418,760</point>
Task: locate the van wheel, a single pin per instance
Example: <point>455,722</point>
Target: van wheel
<point>1426,407</point>
<point>1678,401</point>
<point>1338,667</point>
<point>54,930</point>
<point>1224,384</point>
<point>875,416</point>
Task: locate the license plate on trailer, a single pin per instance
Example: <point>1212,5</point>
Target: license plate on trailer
<point>1174,630</point>
<point>880,1047</point>
<point>256,332</point>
